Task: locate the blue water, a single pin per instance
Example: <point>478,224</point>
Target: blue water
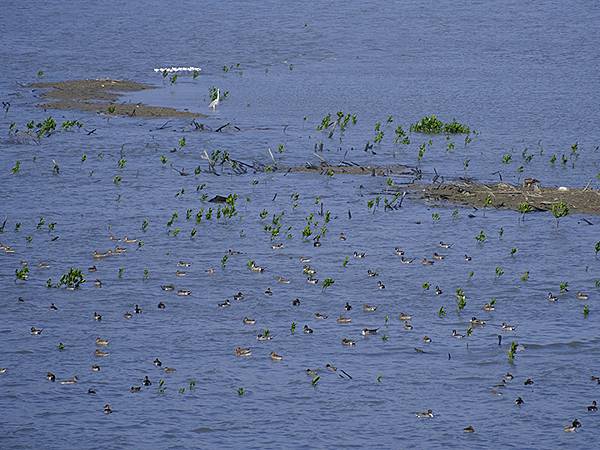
<point>523,76</point>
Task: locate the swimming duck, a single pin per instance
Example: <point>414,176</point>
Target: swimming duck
<point>255,268</point>
<point>348,342</point>
<point>468,258</point>
<point>296,302</point>
<point>268,291</point>
<point>573,427</point>
<point>425,414</point>
<point>119,250</point>
<point>184,264</point>
<point>97,316</point>
<point>596,379</point>
<point>277,246</point>
<point>157,362</point>
<point>457,335</point>
<point>304,259</point>
<point>489,307</point>
<point>167,287</point>
<point>239,296</point>
<point>53,307</point>
<point>138,310</point>
<point>593,407</point>
<point>427,262</point>
<point>519,401</point>
<point>146,381</point>
<point>276,357</point>
<point>528,382</point>
<point>307,270</point>
<point>241,351</point>
<point>91,391</point>
<point>72,380</point>
<point>307,329</point>
<point>210,270</point>
<point>369,331</point>
<point>475,322</point>
<point>100,354</point>
<point>43,265</point>
<point>343,320</point>
<point>582,296</point>
<point>107,409</point>
<point>312,280</point>
<point>129,241</point>
<point>317,243</point>
<point>469,429</point>
<point>404,260</point>
<point>347,306</point>
<point>342,237</point>
<point>180,273</point>
<point>225,304</point>
<point>404,317</point>
<point>161,305</point>
<point>438,256</point>
<point>170,369</point>
<point>184,292</point>
<point>444,245</point>
<point>427,339</point>
<point>438,291</point>
<point>359,255</point>
<point>398,251</point>
<point>320,316</point>
<point>311,372</point>
<point>372,273</point>
<point>99,255</point>
<point>407,325</point>
<point>100,341</point>
<point>95,368</point>
<point>264,336</point>
<point>51,377</point>
<point>135,389</point>
<point>127,315</point>
<point>551,297</point>
<point>248,321</point>
<point>507,327</point>
<point>36,331</point>
<point>282,280</point>
<point>380,285</point>
<point>369,308</point>
<point>97,283</point>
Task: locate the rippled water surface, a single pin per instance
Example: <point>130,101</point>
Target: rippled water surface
<point>524,76</point>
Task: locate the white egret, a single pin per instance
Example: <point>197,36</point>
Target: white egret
<point>215,102</point>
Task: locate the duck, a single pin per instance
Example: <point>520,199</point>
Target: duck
<point>407,325</point>
<point>167,287</point>
<point>469,429</point>
<point>248,321</point>
<point>369,331</point>
<point>51,377</point>
<point>180,273</point>
<point>593,407</point>
<point>276,357</point>
<point>161,305</point>
<point>348,342</point>
<point>343,320</point>
<point>457,335</point>
<point>97,316</point>
<point>489,307</point>
<point>242,352</point>
<point>475,322</point>
<point>427,339</point>
<point>369,308</point>
<point>135,389</point>
<point>95,368</point>
<point>127,315</point>
<point>528,382</point>
<point>507,327</point>
<point>438,257</point>
<point>380,285</point>
<point>146,381</point>
<point>311,280</point>
<point>120,250</point>
<point>183,264</point>
<point>304,259</point>
<point>100,255</point>
<point>320,316</point>
<point>170,369</point>
<point>519,401</point>
<point>100,354</point>
<point>107,409</point>
<point>342,236</point>
<point>268,291</point>
<point>239,296</point>
<point>551,297</point>
<point>100,341</point>
<point>311,372</point>
<point>404,260</point>
<point>129,241</point>
<point>157,362</point>
<point>72,380</point>
<point>425,414</point>
<point>404,317</point>
<point>427,262</point>
<point>210,271</point>
<point>225,304</point>
<point>36,331</point>
<point>359,255</point>
<point>277,246</point>
<point>91,391</point>
<point>398,251</point>
<point>296,302</point>
<point>573,426</point>
<point>53,307</point>
<point>264,336</point>
<point>582,296</point>
<point>372,273</point>
<point>97,283</point>
<point>184,292</point>
<point>347,306</point>
<point>508,377</point>
<point>307,270</point>
<point>438,291</point>
<point>468,258</point>
<point>138,310</point>
<point>307,329</point>
<point>317,243</point>
<point>282,280</point>
<point>444,245</point>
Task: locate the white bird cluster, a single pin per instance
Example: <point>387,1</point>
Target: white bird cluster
<point>178,69</point>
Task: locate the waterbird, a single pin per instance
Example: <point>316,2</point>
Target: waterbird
<point>138,310</point>
<point>551,297</point>
<point>180,273</point>
<point>582,296</point>
<point>593,407</point>
<point>477,322</point>
<point>359,255</point>
<point>91,391</point>
<point>3,370</point>
<point>282,280</point>
<point>369,308</point>
<point>296,302</point>
<point>343,320</point>
<point>100,341</point>
<point>53,307</point>
<point>425,414</point>
<point>146,381</point>
<point>157,362</point>
<point>347,306</point>
<point>519,401</point>
<point>36,331</point>
<point>268,291</point>
<point>372,273</point>
<point>100,353</point>
<point>241,351</point>
<point>369,331</point>
<point>444,245</point>
<point>380,285</point>
<point>457,335</point>
<point>276,357</point>
<point>97,316</point>
<point>264,336</point>
<point>51,377</point>
<point>469,429</point>
<point>507,327</point>
<point>127,315</point>
<point>277,246</point>
<point>161,305</point>
<point>184,292</point>
<point>213,105</point>
<point>342,236</point>
<point>311,372</point>
<point>438,256</point>
<point>348,342</point>
<point>468,258</point>
<point>248,321</point>
<point>438,291</point>
<point>407,325</point>
<point>135,389</point>
<point>169,369</point>
<point>95,368</point>
<point>225,304</point>
<point>404,317</point>
<point>573,426</point>
<point>489,307</point>
<point>312,280</point>
<point>427,339</point>
<point>239,296</point>
<point>92,269</point>
<point>167,287</point>
<point>97,283</point>
<point>427,262</point>
<point>107,409</point>
<point>528,382</point>
<point>398,251</point>
<point>320,316</point>
<point>72,380</point>
<point>404,260</point>
<point>183,264</point>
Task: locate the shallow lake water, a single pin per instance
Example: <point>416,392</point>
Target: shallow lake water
<point>523,76</point>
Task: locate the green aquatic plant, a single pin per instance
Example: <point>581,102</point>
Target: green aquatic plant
<point>461,299</point>
<point>146,274</point>
<point>121,272</point>
<point>315,380</point>
<point>586,311</point>
<point>293,328</point>
<point>145,225</point>
<point>560,209</point>
<point>435,217</point>
<point>16,168</point>
<point>72,279</point>
<point>426,286</point>
<point>597,247</point>
<point>513,251</point>
<point>345,262</point>
<point>224,261</point>
<point>506,158</point>
<point>525,276</point>
<point>60,346</point>
<point>22,273</point>
<point>499,271</point>
<point>441,312</point>
<point>512,351</point>
<point>327,282</point>
<point>481,237</point>
<point>564,287</point>
<point>241,391</point>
